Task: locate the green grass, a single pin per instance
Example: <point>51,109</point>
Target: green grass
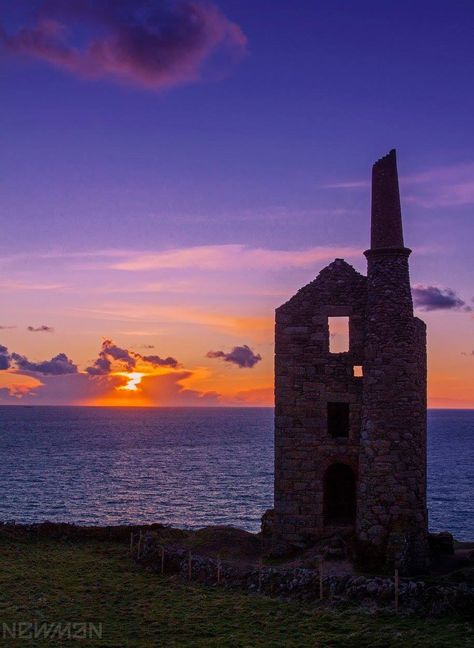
<point>52,581</point>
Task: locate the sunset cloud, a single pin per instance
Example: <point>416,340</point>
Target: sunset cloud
<point>101,367</point>
<point>127,360</point>
<point>25,286</point>
<point>182,316</point>
<point>170,389</point>
<point>80,389</point>
<point>40,329</point>
<point>232,256</point>
<point>4,358</point>
<point>154,44</point>
<point>259,396</point>
<point>60,365</point>
<point>67,389</point>
<point>156,361</point>
<point>430,298</point>
<point>113,352</point>
<point>242,356</point>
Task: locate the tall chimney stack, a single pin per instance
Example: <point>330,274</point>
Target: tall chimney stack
<point>392,519</point>
<point>386,229</point>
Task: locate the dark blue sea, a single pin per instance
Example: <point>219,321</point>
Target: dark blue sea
<point>185,467</point>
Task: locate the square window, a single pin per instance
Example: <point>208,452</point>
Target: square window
<point>338,420</point>
<point>358,372</point>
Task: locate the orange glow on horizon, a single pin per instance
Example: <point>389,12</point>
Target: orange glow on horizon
<point>134,379</point>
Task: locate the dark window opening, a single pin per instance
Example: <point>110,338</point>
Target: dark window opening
<point>338,419</point>
<point>339,494</point>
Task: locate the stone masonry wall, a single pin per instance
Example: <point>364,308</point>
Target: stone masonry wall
<point>307,377</point>
<point>392,516</point>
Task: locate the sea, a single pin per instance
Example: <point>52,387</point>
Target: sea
<point>188,467</point>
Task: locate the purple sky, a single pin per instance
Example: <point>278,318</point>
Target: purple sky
<point>132,129</point>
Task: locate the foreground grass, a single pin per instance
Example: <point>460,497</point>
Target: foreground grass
<point>50,581</point>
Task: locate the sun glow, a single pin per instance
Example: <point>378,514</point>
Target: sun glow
<point>134,379</point>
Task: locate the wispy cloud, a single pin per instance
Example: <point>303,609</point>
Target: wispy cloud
<point>270,214</point>
<point>231,256</point>
<point>442,187</point>
<point>205,257</point>
<point>25,286</point>
<point>447,186</point>
<point>181,315</point>
<point>349,184</point>
<point>151,44</point>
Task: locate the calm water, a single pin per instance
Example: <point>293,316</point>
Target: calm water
<point>186,467</point>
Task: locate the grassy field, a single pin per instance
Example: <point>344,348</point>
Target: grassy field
<point>51,581</point>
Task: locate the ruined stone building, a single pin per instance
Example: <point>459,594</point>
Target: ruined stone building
<point>350,424</point>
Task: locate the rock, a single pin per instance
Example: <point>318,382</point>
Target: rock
<point>334,553</point>
<point>465,575</point>
<point>441,543</point>
<point>279,548</point>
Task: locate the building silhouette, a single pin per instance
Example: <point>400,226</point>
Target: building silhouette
<point>350,424</point>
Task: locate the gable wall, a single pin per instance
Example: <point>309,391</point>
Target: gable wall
<point>307,377</point>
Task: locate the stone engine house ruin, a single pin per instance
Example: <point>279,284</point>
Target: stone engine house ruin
<point>350,424</point>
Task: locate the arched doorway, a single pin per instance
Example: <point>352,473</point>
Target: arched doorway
<point>339,494</point>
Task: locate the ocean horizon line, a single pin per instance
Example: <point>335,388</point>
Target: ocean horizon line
<point>186,407</point>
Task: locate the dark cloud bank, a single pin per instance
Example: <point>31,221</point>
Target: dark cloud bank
<point>63,384</point>
<point>152,43</point>
<point>60,365</point>
<point>4,358</point>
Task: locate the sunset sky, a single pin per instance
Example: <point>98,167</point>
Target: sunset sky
<point>172,172</point>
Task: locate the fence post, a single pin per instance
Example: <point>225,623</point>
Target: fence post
<point>139,550</point>
<point>321,587</point>
<point>397,584</point>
